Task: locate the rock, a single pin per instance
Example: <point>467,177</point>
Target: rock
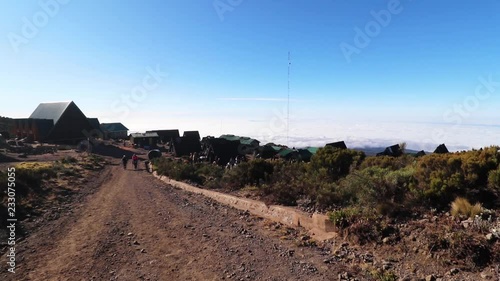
<point>490,237</point>
<point>135,242</point>
<point>467,223</point>
<point>454,271</point>
<point>344,276</point>
<point>431,277</point>
<point>130,234</point>
<point>486,275</point>
<point>386,240</point>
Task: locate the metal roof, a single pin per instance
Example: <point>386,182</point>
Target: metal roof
<point>313,150</point>
<point>52,110</point>
<point>285,152</point>
<point>243,140</point>
<point>113,127</point>
<point>144,135</point>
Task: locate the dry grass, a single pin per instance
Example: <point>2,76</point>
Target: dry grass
<point>462,207</point>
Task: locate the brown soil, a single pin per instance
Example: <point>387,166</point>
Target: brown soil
<point>136,228</point>
<point>127,225</point>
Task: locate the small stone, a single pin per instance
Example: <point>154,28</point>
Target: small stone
<point>135,242</point>
<point>454,271</point>
<point>130,234</point>
<point>431,277</point>
<point>467,223</point>
<point>485,275</point>
<point>386,240</point>
<point>490,237</point>
<point>143,251</point>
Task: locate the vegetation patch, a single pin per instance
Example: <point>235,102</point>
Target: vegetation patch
<point>366,198</point>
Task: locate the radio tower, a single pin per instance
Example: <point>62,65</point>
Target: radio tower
<point>288,101</point>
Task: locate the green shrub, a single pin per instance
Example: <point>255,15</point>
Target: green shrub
<point>343,217</point>
<point>388,162</point>
<point>382,275</point>
<point>494,180</point>
<point>442,177</point>
<point>259,171</point>
<point>237,177</point>
<point>69,160</point>
<point>177,170</point>
<point>209,173</point>
<point>287,183</point>
<point>337,163</point>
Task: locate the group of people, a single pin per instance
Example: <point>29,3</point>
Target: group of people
<point>135,162</point>
<point>233,162</point>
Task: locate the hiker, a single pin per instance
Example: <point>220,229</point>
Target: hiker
<point>124,162</point>
<point>135,160</point>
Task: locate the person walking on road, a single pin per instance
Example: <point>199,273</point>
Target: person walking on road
<point>135,160</point>
<point>124,162</point>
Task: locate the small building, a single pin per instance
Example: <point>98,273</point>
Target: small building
<point>420,153</point>
<point>96,131</point>
<point>219,149</point>
<point>394,151</point>
<point>184,146</point>
<point>166,136</point>
<point>441,149</point>
<point>247,145</point>
<point>289,154</point>
<point>268,151</point>
<point>114,131</point>
<point>144,139</point>
<point>305,154</point>
<point>338,144</point>
<point>192,134</point>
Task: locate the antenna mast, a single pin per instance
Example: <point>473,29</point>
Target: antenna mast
<point>288,101</point>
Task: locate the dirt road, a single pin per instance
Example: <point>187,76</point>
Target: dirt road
<point>134,227</point>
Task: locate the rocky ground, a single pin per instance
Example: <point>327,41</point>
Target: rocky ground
<point>126,225</point>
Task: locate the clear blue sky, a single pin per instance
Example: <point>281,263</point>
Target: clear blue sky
<point>227,67</point>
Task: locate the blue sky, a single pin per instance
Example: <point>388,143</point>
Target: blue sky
<point>426,71</point>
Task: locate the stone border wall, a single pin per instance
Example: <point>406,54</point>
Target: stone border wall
<point>319,227</point>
